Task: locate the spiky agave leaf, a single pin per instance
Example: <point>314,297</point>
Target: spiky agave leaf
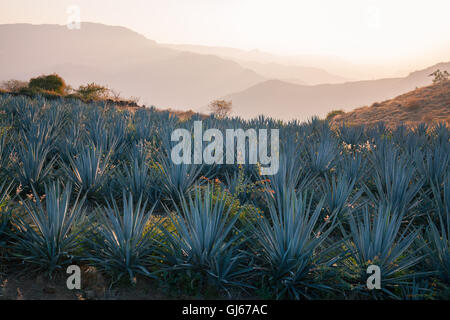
<point>379,238</point>
<point>339,195</point>
<point>353,165</point>
<point>322,154</point>
<point>88,170</point>
<point>205,240</point>
<point>49,233</point>
<point>433,163</point>
<point>136,178</point>
<point>177,179</point>
<point>33,165</point>
<point>5,190</point>
<point>395,180</point>
<point>438,231</point>
<point>121,242</point>
<point>287,242</point>
<point>6,150</point>
<point>351,135</point>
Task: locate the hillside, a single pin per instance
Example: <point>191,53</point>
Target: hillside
<point>287,101</point>
<point>427,104</point>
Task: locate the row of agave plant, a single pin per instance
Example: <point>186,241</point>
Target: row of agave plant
<point>88,184</point>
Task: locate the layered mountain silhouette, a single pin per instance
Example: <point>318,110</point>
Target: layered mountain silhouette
<point>287,101</point>
<point>121,59</point>
<point>430,104</point>
<point>271,66</point>
<point>188,77</point>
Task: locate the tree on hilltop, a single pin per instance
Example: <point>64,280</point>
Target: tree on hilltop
<point>440,76</point>
<point>221,108</point>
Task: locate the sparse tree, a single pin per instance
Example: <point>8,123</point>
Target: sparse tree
<point>221,108</point>
<point>14,85</point>
<point>93,91</point>
<point>115,95</point>
<point>440,76</point>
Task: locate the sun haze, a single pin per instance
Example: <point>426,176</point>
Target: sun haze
<point>362,31</point>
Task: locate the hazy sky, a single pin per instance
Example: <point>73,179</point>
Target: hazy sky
<point>360,30</point>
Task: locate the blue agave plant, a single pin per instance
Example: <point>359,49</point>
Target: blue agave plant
<point>205,241</point>
<point>287,245</point>
<point>49,233</point>
<point>120,243</point>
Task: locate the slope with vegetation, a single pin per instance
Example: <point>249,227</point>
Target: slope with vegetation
<point>54,87</point>
<point>427,104</point>
<point>288,101</point>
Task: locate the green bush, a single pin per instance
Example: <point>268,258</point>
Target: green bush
<point>334,113</point>
<point>52,82</point>
<point>92,92</point>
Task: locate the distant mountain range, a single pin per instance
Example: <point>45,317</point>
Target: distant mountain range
<point>287,101</point>
<point>267,65</point>
<point>121,59</point>
<point>189,77</point>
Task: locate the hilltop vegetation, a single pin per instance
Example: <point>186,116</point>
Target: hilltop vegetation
<point>430,104</point>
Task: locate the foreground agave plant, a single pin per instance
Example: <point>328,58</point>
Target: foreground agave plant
<point>48,235</point>
<point>138,178</point>
<point>120,244</point>
<point>178,179</point>
<point>378,238</point>
<point>438,232</point>
<point>287,245</point>
<point>4,214</point>
<point>205,241</point>
<point>33,166</point>
<point>88,170</point>
<point>395,180</point>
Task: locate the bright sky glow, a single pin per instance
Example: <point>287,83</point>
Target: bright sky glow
<point>359,30</point>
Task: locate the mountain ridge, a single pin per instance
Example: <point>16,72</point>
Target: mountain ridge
<point>282,100</point>
<point>429,104</point>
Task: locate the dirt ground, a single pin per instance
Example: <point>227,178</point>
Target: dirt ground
<point>21,286</point>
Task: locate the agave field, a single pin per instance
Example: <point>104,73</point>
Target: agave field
<point>85,184</point>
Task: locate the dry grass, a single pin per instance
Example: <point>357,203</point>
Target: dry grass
<point>429,104</point>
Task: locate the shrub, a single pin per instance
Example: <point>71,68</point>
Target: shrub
<point>92,92</point>
<point>14,86</point>
<point>334,113</point>
<point>52,83</point>
<point>440,76</point>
